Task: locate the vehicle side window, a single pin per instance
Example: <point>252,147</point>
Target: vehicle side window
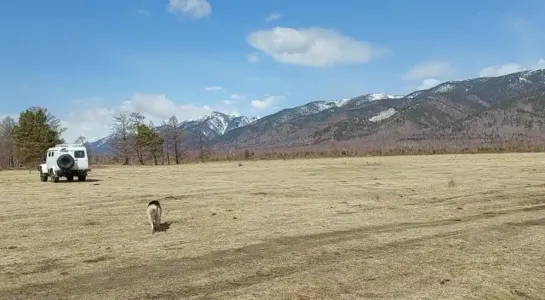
<point>79,154</point>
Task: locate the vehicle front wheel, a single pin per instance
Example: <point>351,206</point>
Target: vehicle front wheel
<point>70,178</point>
<point>82,178</point>
<point>43,177</point>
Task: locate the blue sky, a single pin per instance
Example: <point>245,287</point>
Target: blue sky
<point>88,60</point>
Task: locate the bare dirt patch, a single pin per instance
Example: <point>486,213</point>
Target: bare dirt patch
<point>436,227</point>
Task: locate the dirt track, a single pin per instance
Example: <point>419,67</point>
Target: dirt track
<point>373,228</point>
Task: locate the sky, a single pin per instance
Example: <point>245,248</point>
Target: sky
<point>88,60</point>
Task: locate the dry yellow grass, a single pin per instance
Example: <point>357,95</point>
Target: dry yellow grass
<point>420,227</point>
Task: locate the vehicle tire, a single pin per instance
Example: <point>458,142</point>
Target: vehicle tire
<point>43,177</point>
<point>70,178</point>
<point>55,179</point>
<point>82,178</point>
<point>65,162</point>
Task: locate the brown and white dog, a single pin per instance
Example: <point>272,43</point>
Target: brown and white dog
<point>154,215</point>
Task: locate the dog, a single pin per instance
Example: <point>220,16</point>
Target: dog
<point>154,215</point>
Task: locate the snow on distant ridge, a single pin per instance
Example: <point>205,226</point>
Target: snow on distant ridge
<point>341,103</point>
<point>444,88</point>
<point>381,96</point>
<point>414,94</point>
<point>220,123</point>
<point>94,139</point>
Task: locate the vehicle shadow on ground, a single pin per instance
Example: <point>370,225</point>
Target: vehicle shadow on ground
<point>89,180</point>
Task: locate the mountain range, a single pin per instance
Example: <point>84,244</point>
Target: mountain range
<point>484,110</point>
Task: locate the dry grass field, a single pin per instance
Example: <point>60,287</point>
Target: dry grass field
<point>419,227</point>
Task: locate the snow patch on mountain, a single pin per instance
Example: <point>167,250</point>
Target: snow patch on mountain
<point>217,122</point>
<point>238,122</point>
<point>414,94</point>
<point>524,80</point>
<point>370,98</point>
<point>444,88</point>
<point>313,108</point>
<point>342,102</point>
<point>381,96</point>
<point>383,115</point>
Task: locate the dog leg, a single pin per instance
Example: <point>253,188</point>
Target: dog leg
<point>150,219</point>
<point>158,218</point>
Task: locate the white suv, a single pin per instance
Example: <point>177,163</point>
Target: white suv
<point>65,160</point>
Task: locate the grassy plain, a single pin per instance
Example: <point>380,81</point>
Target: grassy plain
<point>413,227</point>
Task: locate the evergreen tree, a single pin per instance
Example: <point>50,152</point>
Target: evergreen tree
<point>148,140</point>
<point>36,131</point>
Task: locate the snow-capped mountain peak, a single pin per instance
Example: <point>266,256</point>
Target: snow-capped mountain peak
<point>381,96</point>
<point>218,123</point>
<point>370,98</point>
<point>215,124</point>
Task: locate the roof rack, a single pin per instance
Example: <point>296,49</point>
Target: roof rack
<point>68,145</point>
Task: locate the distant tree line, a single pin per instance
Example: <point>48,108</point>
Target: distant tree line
<point>23,143</point>
<point>132,141</point>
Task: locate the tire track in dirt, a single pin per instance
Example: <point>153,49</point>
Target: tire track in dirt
<point>324,259</point>
<point>182,270</point>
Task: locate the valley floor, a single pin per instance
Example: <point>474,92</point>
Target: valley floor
<point>413,227</point>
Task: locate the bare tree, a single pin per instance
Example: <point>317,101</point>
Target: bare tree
<point>7,153</point>
<point>135,120</point>
<point>122,130</point>
<point>166,145</point>
<point>174,136</point>
<point>201,143</point>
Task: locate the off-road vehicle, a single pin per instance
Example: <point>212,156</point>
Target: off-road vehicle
<point>65,160</point>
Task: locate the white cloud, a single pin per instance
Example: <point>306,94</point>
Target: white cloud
<point>253,58</point>
<point>428,83</point>
<point>428,70</point>
<point>234,98</point>
<point>214,88</point>
<point>265,103</point>
<point>273,16</point>
<point>237,97</point>
<point>95,122</point>
<point>193,8</point>
<point>500,70</point>
<point>316,47</point>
